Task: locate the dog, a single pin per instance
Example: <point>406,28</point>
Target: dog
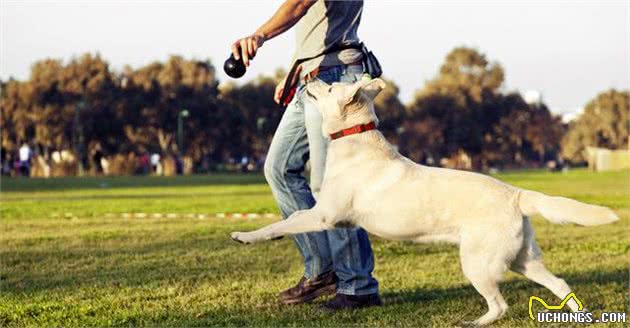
<point>367,183</point>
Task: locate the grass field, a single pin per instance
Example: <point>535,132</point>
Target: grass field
<point>67,261</point>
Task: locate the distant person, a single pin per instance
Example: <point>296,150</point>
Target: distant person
<point>105,165</point>
<point>328,48</point>
<point>5,160</point>
<point>179,164</point>
<point>24,155</point>
<point>244,161</point>
<point>97,157</point>
<point>144,163</point>
<point>156,165</point>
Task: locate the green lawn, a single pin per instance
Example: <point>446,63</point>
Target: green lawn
<point>67,261</point>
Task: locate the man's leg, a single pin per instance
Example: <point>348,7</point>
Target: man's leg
<point>353,260</point>
<point>284,166</point>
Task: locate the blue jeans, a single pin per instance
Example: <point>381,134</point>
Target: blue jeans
<point>299,136</point>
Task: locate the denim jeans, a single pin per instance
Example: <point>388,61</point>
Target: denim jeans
<point>299,137</point>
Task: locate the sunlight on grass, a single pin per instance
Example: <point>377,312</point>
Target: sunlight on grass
<point>88,269</point>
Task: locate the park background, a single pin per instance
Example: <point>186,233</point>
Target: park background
<point>484,85</point>
<point>535,94</point>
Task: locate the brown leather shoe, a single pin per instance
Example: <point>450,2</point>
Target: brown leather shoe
<point>309,289</point>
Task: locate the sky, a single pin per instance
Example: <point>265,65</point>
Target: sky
<point>567,50</point>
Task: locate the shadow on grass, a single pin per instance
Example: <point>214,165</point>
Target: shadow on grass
<point>407,308</point>
<point>449,305</point>
<point>168,196</point>
<point>574,280</point>
<point>74,183</point>
<point>102,261</point>
<point>198,257</point>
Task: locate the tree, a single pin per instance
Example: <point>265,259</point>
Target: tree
<point>522,133</point>
<point>82,106</point>
<point>462,113</point>
<point>389,109</point>
<point>42,110</point>
<point>465,73</point>
<point>604,123</point>
<point>454,105</point>
<point>154,96</point>
<point>253,116</point>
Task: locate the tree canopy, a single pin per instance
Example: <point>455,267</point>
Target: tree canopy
<point>460,118</point>
<point>604,123</point>
<point>461,113</point>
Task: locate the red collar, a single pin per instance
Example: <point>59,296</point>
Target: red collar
<point>353,130</point>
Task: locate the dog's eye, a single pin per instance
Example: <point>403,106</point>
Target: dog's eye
<point>329,89</point>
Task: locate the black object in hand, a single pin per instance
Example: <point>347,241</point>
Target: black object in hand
<point>234,68</point>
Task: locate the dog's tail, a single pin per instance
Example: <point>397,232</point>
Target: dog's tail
<point>562,210</point>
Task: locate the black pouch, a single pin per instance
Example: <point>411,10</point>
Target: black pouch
<point>371,64</point>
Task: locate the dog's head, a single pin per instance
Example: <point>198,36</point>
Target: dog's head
<point>344,105</point>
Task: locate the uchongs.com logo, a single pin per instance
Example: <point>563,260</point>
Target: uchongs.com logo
<point>553,314</point>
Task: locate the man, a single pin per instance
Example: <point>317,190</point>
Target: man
<point>338,261</point>
<point>25,160</point>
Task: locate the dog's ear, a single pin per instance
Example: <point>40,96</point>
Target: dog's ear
<point>371,88</point>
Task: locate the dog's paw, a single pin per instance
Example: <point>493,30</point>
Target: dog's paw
<point>239,237</point>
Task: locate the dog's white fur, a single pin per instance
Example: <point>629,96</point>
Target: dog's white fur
<point>367,183</point>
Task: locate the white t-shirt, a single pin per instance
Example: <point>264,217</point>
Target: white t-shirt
<point>155,159</point>
<point>25,153</point>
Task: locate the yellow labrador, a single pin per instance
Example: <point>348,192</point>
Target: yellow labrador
<point>369,184</point>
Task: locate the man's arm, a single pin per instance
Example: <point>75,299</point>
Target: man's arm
<point>289,13</point>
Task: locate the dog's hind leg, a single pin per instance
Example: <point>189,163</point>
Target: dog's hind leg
<point>298,222</point>
<point>529,263</point>
<point>484,267</point>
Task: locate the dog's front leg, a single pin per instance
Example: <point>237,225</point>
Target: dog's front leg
<point>298,222</point>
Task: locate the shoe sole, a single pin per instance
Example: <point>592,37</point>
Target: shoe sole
<point>327,290</point>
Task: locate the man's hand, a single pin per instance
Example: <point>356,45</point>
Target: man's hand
<point>247,47</point>
<point>286,16</point>
<point>280,86</point>
<point>279,90</point>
